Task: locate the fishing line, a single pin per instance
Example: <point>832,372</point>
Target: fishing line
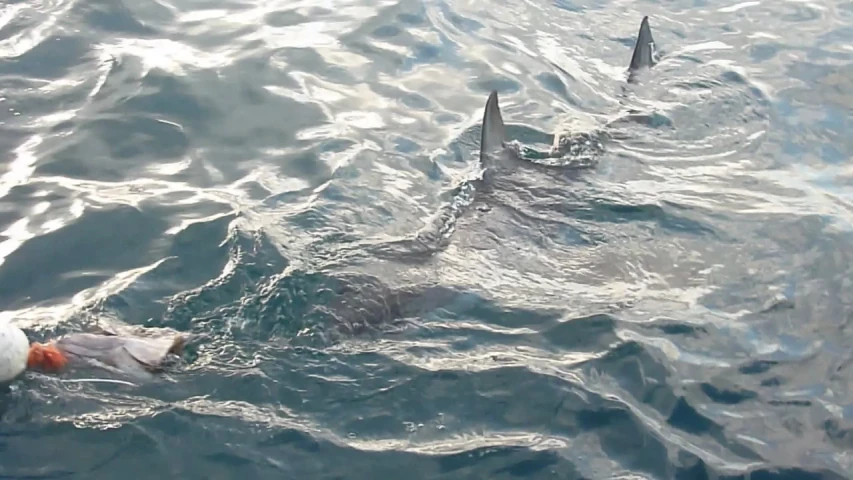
<point>98,380</point>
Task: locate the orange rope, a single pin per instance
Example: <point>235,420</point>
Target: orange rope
<point>46,357</point>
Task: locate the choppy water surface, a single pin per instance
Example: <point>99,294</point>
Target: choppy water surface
<point>288,180</point>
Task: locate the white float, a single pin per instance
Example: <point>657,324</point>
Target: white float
<point>14,350</point>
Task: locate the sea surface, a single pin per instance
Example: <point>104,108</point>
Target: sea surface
<point>295,184</point>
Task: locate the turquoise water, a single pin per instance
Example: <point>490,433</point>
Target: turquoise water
<point>290,182</point>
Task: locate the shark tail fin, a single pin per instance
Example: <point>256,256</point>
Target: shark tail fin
<point>493,135</point>
<point>644,50</point>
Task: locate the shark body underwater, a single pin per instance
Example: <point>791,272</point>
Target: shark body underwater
<point>353,303</point>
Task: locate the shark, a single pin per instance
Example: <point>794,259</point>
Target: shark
<point>382,297</point>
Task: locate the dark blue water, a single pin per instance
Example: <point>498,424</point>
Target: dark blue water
<point>288,180</point>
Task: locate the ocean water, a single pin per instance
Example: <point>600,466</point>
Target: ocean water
<point>291,181</point>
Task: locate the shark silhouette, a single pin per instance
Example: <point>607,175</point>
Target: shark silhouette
<point>370,299</point>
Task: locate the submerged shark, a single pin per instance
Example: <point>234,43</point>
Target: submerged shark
<point>375,298</point>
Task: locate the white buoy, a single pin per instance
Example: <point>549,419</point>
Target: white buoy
<point>14,349</point>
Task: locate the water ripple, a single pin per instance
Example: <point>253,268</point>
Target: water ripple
<point>295,183</point>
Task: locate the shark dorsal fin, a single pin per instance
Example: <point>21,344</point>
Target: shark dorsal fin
<point>493,135</point>
<point>644,50</point>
